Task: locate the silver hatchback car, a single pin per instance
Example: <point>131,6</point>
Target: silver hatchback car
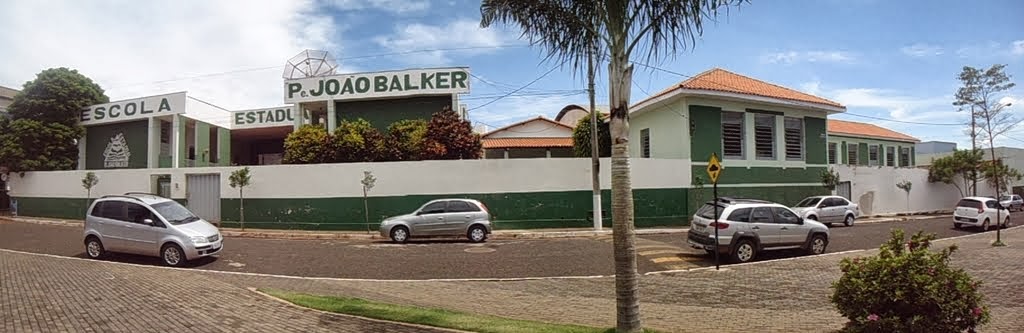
<point>441,217</point>
<point>146,224</point>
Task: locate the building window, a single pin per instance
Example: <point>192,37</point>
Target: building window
<point>832,152</point>
<point>890,156</point>
<point>851,154</point>
<point>732,135</point>
<point>873,155</point>
<point>764,136</point>
<point>905,156</point>
<point>794,138</point>
<point>645,142</point>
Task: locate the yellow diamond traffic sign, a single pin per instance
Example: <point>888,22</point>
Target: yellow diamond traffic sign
<point>714,168</point>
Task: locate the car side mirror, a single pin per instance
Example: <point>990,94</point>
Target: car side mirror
<point>800,221</point>
<point>147,221</point>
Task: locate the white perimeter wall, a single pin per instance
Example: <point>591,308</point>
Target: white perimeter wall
<point>874,188</point>
<point>393,178</point>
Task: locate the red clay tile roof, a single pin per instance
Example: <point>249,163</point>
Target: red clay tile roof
<point>718,79</point>
<point>542,118</point>
<point>526,143</point>
<point>852,128</point>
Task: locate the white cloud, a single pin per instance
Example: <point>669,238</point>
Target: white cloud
<point>922,50</point>
<point>1017,47</point>
<point>461,33</point>
<point>517,108</point>
<point>792,57</point>
<point>174,40</point>
<point>394,6</point>
<point>813,87</point>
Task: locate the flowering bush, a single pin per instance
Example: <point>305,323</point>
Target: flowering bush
<point>907,288</point>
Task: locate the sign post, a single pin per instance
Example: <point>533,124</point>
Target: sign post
<point>714,169</point>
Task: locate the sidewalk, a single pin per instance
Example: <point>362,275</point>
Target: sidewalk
<point>787,295</point>
<point>498,234</point>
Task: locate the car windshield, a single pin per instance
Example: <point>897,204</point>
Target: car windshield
<point>1004,198</point>
<point>708,211</point>
<point>809,202</point>
<point>175,213</point>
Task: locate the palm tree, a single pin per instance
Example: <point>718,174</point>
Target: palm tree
<point>572,30</point>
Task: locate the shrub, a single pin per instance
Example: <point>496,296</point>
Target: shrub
<point>907,288</point>
<point>310,144</point>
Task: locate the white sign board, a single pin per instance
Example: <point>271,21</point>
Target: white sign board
<point>133,109</point>
<point>260,118</point>
<point>426,81</point>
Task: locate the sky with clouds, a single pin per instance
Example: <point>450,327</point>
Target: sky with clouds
<point>894,60</point>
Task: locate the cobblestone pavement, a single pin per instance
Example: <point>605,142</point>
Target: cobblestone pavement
<point>50,294</point>
<point>777,296</point>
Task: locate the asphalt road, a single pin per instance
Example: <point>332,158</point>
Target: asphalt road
<point>440,259</point>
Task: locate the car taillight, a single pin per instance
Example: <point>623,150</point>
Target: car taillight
<point>981,209</point>
<point>719,225</point>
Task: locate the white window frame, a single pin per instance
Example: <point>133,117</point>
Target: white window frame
<point>904,152</point>
<point>852,154</point>
<point>645,143</point>
<point>890,156</point>
<point>833,151</point>
<point>873,161</point>
<point>799,148</point>
<point>741,118</point>
<point>768,121</point>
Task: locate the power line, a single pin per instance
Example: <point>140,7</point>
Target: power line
<point>553,68</point>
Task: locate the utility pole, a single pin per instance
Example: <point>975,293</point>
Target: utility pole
<point>595,160</point>
<point>974,147</point>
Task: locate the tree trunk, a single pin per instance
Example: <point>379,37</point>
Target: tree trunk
<point>595,151</point>
<point>241,209</point>
<point>998,177</point>
<point>627,289</point>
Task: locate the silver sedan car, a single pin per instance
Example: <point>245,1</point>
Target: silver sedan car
<point>442,217</point>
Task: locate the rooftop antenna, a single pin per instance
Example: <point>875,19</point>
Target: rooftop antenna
<point>310,63</point>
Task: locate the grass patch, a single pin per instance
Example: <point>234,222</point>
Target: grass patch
<point>428,316</point>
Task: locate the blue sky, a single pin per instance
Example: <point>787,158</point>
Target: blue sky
<point>886,59</point>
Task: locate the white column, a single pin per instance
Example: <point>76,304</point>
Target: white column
<point>297,114</point>
<point>506,153</point>
<point>332,116</point>
<point>153,145</point>
<point>176,139</point>
<point>82,151</point>
<point>548,152</point>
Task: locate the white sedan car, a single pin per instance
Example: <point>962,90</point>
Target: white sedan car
<point>828,209</point>
<point>980,212</point>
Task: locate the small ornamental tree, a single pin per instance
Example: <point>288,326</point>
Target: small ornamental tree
<point>907,288</point>
<point>581,137</point>
<point>310,144</point>
<point>959,170</point>
<point>446,129</point>
<point>906,185</point>
<point>830,179</point>
<point>240,179</point>
<point>88,182</point>
<point>368,182</point>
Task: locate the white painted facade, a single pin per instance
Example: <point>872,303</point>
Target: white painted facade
<point>343,180</point>
<point>874,188</point>
<point>535,128</point>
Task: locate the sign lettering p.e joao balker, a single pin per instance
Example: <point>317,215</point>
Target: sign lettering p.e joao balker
<point>426,81</point>
<point>133,109</point>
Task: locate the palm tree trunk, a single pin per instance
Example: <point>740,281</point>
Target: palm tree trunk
<point>627,289</point>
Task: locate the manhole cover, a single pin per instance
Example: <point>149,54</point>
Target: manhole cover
<point>479,250</point>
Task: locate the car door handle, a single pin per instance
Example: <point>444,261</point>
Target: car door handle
<point>756,228</point>
<point>785,228</point>
<point>440,218</point>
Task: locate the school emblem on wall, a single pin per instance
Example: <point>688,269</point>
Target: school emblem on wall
<point>117,154</point>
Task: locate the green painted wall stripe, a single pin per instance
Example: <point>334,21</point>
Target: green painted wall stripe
<point>707,134</point>
<point>202,131</point>
<point>223,146</point>
<point>762,175</point>
<point>182,141</point>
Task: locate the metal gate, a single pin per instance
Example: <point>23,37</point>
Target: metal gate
<point>203,194</point>
<point>843,190</point>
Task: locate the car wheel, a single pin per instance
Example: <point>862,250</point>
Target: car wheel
<point>744,251</point>
<point>172,255</point>
<point>477,234</point>
<point>958,226</point>
<point>813,217</point>
<point>94,248</point>
<point>849,221</point>
<point>985,225</point>
<point>817,245</point>
<point>399,234</point>
<point>1006,222</point>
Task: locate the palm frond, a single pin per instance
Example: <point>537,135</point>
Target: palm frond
<point>565,29</point>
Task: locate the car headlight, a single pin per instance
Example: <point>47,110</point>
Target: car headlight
<point>198,240</point>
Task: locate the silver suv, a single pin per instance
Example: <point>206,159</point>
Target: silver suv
<point>146,224</point>
<point>752,226</point>
<point>441,217</point>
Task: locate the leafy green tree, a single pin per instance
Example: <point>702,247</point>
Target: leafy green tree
<point>407,138</point>
<point>43,131</point>
<point>452,133</point>
<point>358,141</point>
<point>999,174</point>
<point>310,144</point>
<point>581,137</point>
<point>573,32</point>
<point>88,182</point>
<point>240,179</point>
<point>959,169</point>
<point>981,91</point>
